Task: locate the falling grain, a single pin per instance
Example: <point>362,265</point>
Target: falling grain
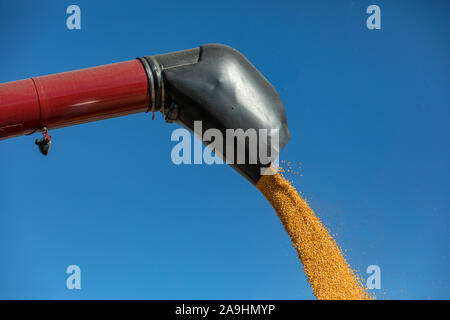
<point>326,269</point>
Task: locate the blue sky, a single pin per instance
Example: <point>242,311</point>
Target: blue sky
<point>368,113</point>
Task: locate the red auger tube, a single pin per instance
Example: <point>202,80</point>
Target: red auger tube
<point>73,97</point>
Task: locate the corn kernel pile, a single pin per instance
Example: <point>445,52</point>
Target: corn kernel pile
<point>326,269</point>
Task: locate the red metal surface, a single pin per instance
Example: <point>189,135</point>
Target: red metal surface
<point>73,97</point>
<point>19,108</point>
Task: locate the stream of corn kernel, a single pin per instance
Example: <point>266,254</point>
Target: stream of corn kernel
<point>326,269</point>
